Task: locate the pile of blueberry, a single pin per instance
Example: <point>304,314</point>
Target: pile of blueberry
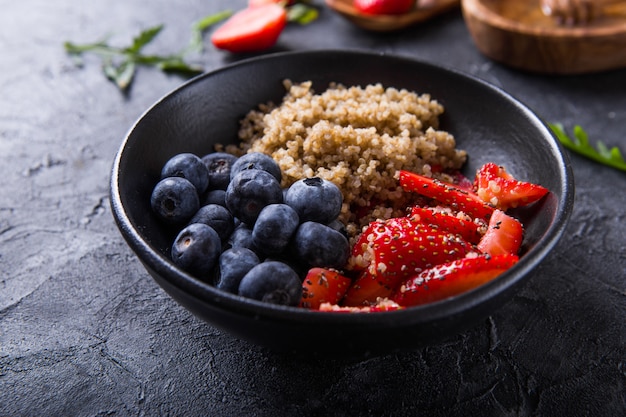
<point>242,232</point>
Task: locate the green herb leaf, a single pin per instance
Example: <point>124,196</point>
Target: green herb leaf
<point>580,144</point>
<point>100,48</point>
<point>122,74</point>
<point>201,25</point>
<point>144,38</point>
<point>210,20</point>
<point>72,48</point>
<point>120,64</point>
<point>178,66</point>
<point>302,13</point>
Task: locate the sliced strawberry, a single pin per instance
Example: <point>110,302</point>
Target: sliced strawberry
<point>448,222</point>
<point>251,29</point>
<point>378,7</point>
<point>452,278</point>
<point>390,251</point>
<point>366,290</point>
<point>462,182</point>
<point>449,195</point>
<point>494,185</point>
<point>323,286</point>
<point>504,235</point>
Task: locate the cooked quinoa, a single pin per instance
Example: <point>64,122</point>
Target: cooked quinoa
<point>358,138</point>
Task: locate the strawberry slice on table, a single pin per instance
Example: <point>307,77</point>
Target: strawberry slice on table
<point>504,235</point>
<point>452,278</point>
<point>321,286</point>
<point>494,185</point>
<point>378,7</point>
<point>390,251</point>
<point>461,225</point>
<point>447,194</point>
<point>252,29</point>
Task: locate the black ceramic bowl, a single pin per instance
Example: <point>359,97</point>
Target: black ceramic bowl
<point>487,122</point>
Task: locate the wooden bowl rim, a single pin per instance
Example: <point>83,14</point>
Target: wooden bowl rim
<point>478,10</point>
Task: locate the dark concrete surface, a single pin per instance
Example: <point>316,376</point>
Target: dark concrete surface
<point>85,331</point>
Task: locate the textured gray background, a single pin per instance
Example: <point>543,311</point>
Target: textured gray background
<point>85,331</point>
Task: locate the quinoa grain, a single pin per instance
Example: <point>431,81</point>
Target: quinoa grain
<point>356,137</point>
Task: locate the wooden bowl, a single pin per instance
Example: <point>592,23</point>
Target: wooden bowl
<point>518,34</point>
<point>424,10</point>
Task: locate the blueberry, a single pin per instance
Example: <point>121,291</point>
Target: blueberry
<point>215,197</point>
<point>234,264</point>
<point>241,237</point>
<point>249,192</point>
<point>189,166</point>
<point>256,160</point>
<point>318,245</point>
<point>315,199</point>
<point>219,165</point>
<point>274,227</point>
<point>174,200</point>
<point>196,249</point>
<point>339,226</point>
<point>216,216</point>
<point>272,282</point>
<point>287,257</point>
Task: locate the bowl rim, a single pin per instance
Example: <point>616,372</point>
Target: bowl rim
<point>486,14</point>
<point>437,311</point>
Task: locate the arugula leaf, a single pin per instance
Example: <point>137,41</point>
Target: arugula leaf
<point>178,66</point>
<point>122,74</point>
<point>168,63</point>
<point>120,64</point>
<point>580,144</point>
<point>198,28</point>
<point>144,38</point>
<point>72,48</point>
<point>302,13</point>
